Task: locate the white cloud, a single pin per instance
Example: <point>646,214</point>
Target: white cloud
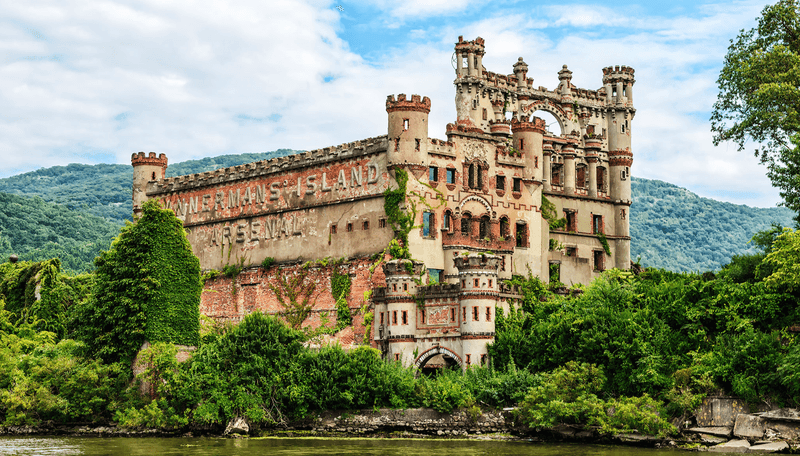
<point>87,80</point>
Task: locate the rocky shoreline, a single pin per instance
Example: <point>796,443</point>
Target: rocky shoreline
<point>768,432</point>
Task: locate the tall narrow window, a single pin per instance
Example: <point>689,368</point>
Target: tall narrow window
<point>488,314</point>
<point>394,317</point>
<point>451,176</point>
<point>572,221</point>
<point>427,223</point>
<point>522,235</point>
<point>405,317</point>
<point>464,315</point>
<point>405,124</point>
<point>465,220</point>
<point>433,174</point>
<point>500,182</point>
<point>484,233</point>
<point>599,257</point>
<point>471,176</point>
<point>597,224</point>
<point>504,228</point>
<point>452,315</point>
<point>475,313</point>
<point>517,184</point>
<point>446,220</point>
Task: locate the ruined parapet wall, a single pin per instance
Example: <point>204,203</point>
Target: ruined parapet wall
<point>322,203</point>
<point>231,299</point>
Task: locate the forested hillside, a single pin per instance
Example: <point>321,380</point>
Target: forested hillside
<point>37,230</point>
<point>674,229</point>
<point>105,190</point>
<point>671,227</point>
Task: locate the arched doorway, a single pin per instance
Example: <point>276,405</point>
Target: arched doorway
<point>436,359</point>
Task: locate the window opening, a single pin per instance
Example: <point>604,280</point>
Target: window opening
<point>500,182</point>
<point>446,221</point>
<point>397,356</point>
<point>504,228</point>
<point>597,224</point>
<point>394,317</point>
<point>572,221</point>
<point>405,287</point>
<point>484,227</point>
<point>452,314</point>
<point>517,184</point>
<point>483,359</point>
<point>464,316</point>
<point>427,223</point>
<point>465,224</point>
<point>422,316</point>
<point>485,114</point>
<point>599,257</point>
<point>333,229</point>
<point>451,176</point>
<point>365,225</point>
<point>522,235</point>
<point>433,174</point>
<point>405,317</point>
<point>475,313</point>
<point>488,314</point>
<point>477,283</point>
<point>405,124</point>
<point>468,358</point>
<point>349,227</point>
<point>382,223</point>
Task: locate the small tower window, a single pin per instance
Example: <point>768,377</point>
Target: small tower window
<point>452,315</point>
<point>475,313</point>
<point>365,226</point>
<point>521,144</point>
<point>405,124</point>
<point>488,314</point>
<point>154,176</point>
<point>405,317</point>
<point>349,227</point>
<point>333,229</point>
<point>382,223</point>
<point>477,283</point>
<point>451,176</point>
<point>485,114</point>
<point>394,317</point>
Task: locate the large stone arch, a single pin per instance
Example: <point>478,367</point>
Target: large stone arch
<point>434,351</point>
<point>480,200</point>
<point>547,106</point>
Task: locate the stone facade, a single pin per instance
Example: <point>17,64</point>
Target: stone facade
<point>477,197</point>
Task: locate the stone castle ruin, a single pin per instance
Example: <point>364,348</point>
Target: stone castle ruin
<point>488,203</point>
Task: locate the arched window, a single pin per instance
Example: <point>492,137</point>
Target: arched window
<point>446,220</point>
<point>581,179</point>
<point>504,228</point>
<point>601,179</point>
<point>465,220</point>
<point>471,176</point>
<point>484,227</point>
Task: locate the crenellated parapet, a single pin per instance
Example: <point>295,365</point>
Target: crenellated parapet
<point>273,166</point>
<point>536,125</point>
<point>623,157</point>
<point>140,159</point>
<point>416,103</point>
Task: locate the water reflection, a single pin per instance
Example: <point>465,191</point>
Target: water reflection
<point>311,446</point>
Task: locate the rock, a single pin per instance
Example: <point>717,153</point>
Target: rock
<point>772,447</point>
<point>711,440</point>
<point>720,431</point>
<point>785,414</point>
<point>749,426</point>
<point>734,446</point>
<point>237,425</point>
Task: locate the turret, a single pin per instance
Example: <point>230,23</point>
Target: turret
<point>469,80</point>
<point>618,82</point>
<point>401,306</point>
<point>521,71</point>
<point>477,274</point>
<point>408,130</point>
<point>527,138</point>
<point>146,169</point>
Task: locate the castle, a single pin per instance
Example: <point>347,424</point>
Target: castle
<point>501,196</point>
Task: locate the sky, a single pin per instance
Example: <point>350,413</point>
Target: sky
<point>93,81</point>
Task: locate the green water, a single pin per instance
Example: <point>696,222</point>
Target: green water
<point>287,446</point>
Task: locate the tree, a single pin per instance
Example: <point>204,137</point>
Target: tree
<point>759,96</point>
<point>147,289</point>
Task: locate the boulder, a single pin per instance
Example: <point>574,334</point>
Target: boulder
<point>734,446</point>
<point>749,426</point>
<point>771,447</point>
<point>719,431</point>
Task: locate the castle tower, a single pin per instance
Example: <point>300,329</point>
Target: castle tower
<point>145,169</point>
<point>401,307</point>
<point>618,82</point>
<point>527,138</point>
<point>469,80</point>
<point>477,274</point>
<point>408,130</point>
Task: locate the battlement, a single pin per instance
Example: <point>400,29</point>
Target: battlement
<point>478,44</point>
<point>478,262</point>
<point>416,103</point>
<point>536,125</point>
<point>440,291</point>
<point>622,73</point>
<point>402,268</point>
<point>139,159</point>
<point>272,166</point>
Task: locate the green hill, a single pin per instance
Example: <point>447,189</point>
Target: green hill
<point>671,227</point>
<point>105,190</point>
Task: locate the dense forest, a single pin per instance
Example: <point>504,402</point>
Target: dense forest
<point>674,229</point>
<point>671,227</point>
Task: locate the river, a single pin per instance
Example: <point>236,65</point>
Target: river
<point>308,446</point>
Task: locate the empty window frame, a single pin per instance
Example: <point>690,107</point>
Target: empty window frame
<point>446,220</point>
<point>500,182</point>
<point>485,228</point>
<point>517,185</point>
<point>522,235</point>
<point>597,224</point>
<point>427,223</point>
<point>433,174</point>
<point>465,221</point>
<point>405,317</point>
<point>599,260</point>
<point>349,227</point>
<point>451,175</point>
<point>572,221</point>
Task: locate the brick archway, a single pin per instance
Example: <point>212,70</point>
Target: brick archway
<point>423,358</point>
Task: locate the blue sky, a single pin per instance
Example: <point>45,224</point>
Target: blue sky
<point>93,81</point>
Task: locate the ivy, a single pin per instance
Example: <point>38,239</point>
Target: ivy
<point>295,294</point>
<point>604,242</point>
<point>401,221</point>
<point>340,289</point>
<point>147,289</point>
<point>550,214</point>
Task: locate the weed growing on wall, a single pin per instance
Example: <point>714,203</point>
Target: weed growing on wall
<point>147,289</point>
<point>295,294</point>
<point>550,214</point>
<point>604,243</point>
<point>340,289</point>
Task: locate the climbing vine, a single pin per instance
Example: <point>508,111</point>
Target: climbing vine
<point>295,294</point>
<point>340,289</point>
<point>550,214</point>
<point>604,243</point>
